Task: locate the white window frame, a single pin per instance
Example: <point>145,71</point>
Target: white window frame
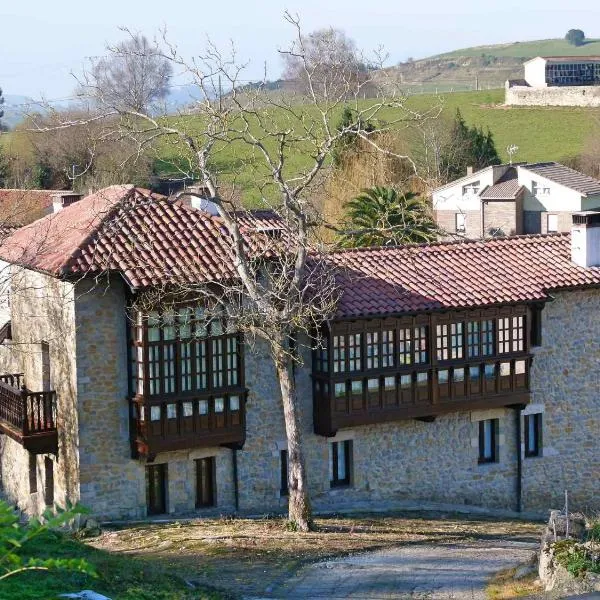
<point>554,218</point>
<point>471,189</point>
<point>460,222</point>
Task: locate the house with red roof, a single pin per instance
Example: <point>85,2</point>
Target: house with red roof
<point>461,373</point>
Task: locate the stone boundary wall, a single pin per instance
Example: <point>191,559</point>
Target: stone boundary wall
<point>588,96</point>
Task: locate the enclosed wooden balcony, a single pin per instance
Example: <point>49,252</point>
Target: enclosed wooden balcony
<point>28,417</point>
<point>420,393</point>
<point>186,423</point>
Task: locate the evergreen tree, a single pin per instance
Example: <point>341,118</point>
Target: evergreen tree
<point>467,147</point>
<point>575,37</point>
<point>381,216</point>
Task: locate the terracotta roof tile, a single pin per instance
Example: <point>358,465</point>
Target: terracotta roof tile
<point>379,281</point>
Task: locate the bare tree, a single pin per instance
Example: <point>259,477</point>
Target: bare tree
<point>326,61</point>
<point>133,77</point>
<point>283,287</point>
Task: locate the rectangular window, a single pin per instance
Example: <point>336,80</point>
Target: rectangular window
<point>156,489</point>
<point>536,326</point>
<point>412,345</point>
<point>33,487</point>
<point>534,188</point>
<point>339,353</point>
<point>340,456</point>
<point>456,340</point>
<point>473,339</point>
<point>405,346</point>
<point>387,348</point>
<point>205,482</point>
<point>460,222</point>
<point>518,333</point>
<point>48,481</point>
<point>354,352</point>
<point>449,341</point>
<point>504,335</point>
<point>533,434</point>
<point>552,223</point>
<point>420,345</point>
<point>488,434</point>
<point>322,357</point>
<point>283,473</point>
<point>340,390</point>
<point>373,355</point>
<point>471,188</point>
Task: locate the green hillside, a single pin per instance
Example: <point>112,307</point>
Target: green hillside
<point>554,47</point>
<point>542,134</point>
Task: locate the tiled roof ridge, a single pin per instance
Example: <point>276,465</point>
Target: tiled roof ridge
<point>446,243</point>
<point>110,212</point>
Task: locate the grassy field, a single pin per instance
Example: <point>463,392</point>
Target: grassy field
<point>552,47</point>
<point>542,134</point>
<point>120,576</point>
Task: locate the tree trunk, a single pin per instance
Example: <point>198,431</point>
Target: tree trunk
<point>299,512</point>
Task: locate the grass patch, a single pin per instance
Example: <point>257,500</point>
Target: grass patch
<point>504,586</point>
<point>120,577</point>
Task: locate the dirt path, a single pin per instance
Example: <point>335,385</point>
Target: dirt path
<point>445,571</point>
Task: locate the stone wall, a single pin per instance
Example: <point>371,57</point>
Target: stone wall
<point>42,309</point>
<point>588,96</point>
<point>566,388</point>
<point>502,217</point>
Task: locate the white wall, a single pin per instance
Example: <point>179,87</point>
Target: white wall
<point>451,197</point>
<point>560,198</point>
<point>535,72</point>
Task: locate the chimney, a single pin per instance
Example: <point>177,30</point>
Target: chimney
<point>585,239</point>
<point>469,170</point>
<point>61,200</point>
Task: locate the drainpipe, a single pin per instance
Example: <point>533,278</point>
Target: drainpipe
<point>519,482</point>
<point>236,489</point>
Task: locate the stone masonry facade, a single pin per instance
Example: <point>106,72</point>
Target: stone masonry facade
<point>404,460</point>
<point>588,96</point>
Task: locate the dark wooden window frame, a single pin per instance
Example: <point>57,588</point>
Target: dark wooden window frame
<point>336,481</point>
<point>156,499</point>
<point>48,481</point>
<point>194,357</point>
<point>532,450</point>
<point>284,481</point>
<point>33,478</point>
<point>494,430</point>
<point>206,487</point>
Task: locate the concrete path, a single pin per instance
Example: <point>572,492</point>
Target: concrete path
<point>419,572</point>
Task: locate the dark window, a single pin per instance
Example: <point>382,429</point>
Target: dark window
<point>449,341</point>
<point>156,489</point>
<point>511,334</point>
<point>412,345</point>
<point>480,338</point>
<point>387,348</point>
<point>32,473</point>
<point>488,436</point>
<point>533,434</point>
<point>283,473</point>
<point>322,357</point>
<point>373,350</point>
<point>354,352</point>
<point>48,481</point>
<point>340,457</point>
<point>205,482</point>
<point>339,353</point>
<point>178,353</point>
<point>536,326</point>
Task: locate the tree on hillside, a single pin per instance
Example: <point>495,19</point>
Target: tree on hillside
<point>284,289</point>
<point>325,62</point>
<point>382,216</point>
<point>133,77</point>
<point>575,37</point>
<point>348,142</point>
<point>466,147</point>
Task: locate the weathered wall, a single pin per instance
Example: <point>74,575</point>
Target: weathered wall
<point>42,309</point>
<point>500,217</point>
<point>566,387</point>
<point>553,96</point>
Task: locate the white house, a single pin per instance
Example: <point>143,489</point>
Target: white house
<point>514,199</point>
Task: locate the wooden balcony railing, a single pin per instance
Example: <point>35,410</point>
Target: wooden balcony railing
<point>184,423</point>
<point>28,417</point>
<point>412,392</point>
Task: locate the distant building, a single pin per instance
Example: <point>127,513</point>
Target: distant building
<point>514,199</point>
<point>557,81</point>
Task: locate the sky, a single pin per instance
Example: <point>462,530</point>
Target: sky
<point>43,43</point>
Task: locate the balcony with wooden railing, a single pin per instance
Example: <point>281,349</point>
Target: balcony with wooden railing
<point>160,425</point>
<point>28,417</point>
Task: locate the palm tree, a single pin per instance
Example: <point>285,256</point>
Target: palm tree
<point>380,216</point>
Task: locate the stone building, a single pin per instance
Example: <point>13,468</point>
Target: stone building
<point>455,372</point>
<point>557,81</point>
<point>514,199</point>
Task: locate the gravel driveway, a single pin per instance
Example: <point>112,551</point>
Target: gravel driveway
<point>432,572</point>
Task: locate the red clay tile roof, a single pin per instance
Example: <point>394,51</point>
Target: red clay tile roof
<point>379,281</point>
<point>148,239</point>
<point>565,176</point>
